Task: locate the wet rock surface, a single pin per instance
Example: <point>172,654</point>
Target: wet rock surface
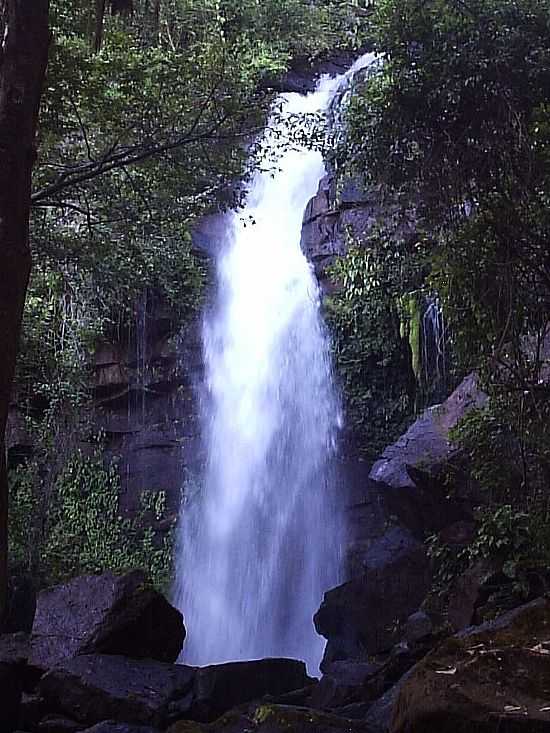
<point>105,614</point>
<point>111,726</point>
<point>494,677</point>
<point>304,73</point>
<point>219,688</point>
<point>145,404</point>
<point>11,691</point>
<point>92,688</point>
<point>267,718</point>
<point>486,678</point>
<point>362,617</point>
<point>426,444</point>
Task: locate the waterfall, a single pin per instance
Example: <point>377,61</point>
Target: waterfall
<point>434,350</point>
<point>261,541</point>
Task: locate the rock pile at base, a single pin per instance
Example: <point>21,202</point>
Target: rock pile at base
<point>105,614</point>
<point>487,678</point>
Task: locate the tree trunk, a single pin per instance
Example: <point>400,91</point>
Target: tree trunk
<point>24,40</point>
<point>99,18</point>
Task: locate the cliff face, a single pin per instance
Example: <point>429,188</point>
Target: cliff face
<point>331,217</point>
<point>146,403</point>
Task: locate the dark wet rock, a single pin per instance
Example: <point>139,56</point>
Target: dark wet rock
<point>362,617</point>
<point>380,714</point>
<point>466,592</point>
<point>385,521</point>
<point>94,687</point>
<point>349,687</point>
<point>267,718</point>
<point>329,218</point>
<point>219,688</point>
<point>494,677</point>
<point>105,614</point>
<point>304,73</point>
<point>21,604</point>
<point>417,627</point>
<point>11,691</point>
<point>426,445</point>
<point>389,572</point>
<point>353,711</point>
<point>189,726</point>
<point>32,710</point>
<point>339,209</point>
<point>145,403</point>
<point>296,698</point>
<point>342,684</point>
<point>111,726</point>
<point>14,649</point>
<point>14,678</point>
<point>56,724</point>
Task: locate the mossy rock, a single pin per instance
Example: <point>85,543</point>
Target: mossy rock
<point>266,718</point>
<point>187,726</point>
<point>495,677</point>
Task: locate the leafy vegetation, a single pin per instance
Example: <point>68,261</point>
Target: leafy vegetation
<point>372,359</point>
<point>149,120</point>
<point>76,526</point>
<point>455,125</point>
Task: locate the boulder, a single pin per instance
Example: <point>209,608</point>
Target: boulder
<point>343,684</point>
<point>417,627</point>
<point>267,718</point>
<point>92,688</point>
<point>349,688</point>
<point>380,715</point>
<point>384,520</point>
<point>426,445</point>
<point>13,678</point>
<point>21,604</point>
<point>111,726</point>
<point>105,614</point>
<point>487,678</point>
<point>33,709</point>
<point>14,649</point>
<point>55,724</point>
<point>362,617</point>
<point>11,690</point>
<point>219,688</point>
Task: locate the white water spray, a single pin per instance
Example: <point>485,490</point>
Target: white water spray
<point>261,542</point>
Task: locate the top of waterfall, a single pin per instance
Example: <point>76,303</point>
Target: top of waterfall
<point>333,84</point>
<point>362,62</point>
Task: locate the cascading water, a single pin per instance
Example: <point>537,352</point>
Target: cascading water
<point>262,541</point>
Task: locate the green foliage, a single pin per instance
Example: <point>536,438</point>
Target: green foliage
<point>148,122</point>
<point>455,124</point>
<point>140,138</point>
<point>372,358</point>
<point>502,535</point>
<point>507,448</point>
<point>516,541</point>
<point>411,328</point>
<point>78,528</point>
<point>448,111</point>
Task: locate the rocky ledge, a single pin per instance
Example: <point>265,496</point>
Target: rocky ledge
<point>100,660</point>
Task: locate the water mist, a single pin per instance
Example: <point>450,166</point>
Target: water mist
<point>262,540</point>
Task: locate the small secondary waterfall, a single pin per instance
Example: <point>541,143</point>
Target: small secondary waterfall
<point>261,541</point>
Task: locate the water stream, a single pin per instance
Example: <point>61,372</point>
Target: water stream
<point>261,541</point>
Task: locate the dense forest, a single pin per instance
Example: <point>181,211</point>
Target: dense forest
<point>147,118</point>
<point>126,128</point>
